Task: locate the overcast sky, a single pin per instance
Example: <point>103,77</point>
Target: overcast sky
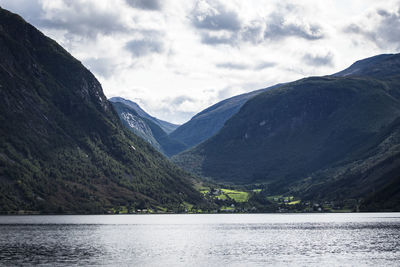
<point>177,57</point>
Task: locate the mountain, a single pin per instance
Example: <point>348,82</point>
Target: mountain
<point>171,139</point>
<point>325,137</point>
<point>167,127</point>
<point>380,66</point>
<point>62,146</point>
<point>209,121</point>
<point>147,129</point>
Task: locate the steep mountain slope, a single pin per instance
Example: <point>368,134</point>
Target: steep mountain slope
<point>167,127</point>
<point>208,122</point>
<point>312,135</point>
<point>371,171</point>
<point>386,199</point>
<point>148,130</point>
<point>62,146</point>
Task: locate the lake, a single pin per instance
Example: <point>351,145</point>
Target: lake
<point>202,240</point>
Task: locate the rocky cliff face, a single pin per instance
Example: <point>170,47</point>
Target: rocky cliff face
<point>149,129</point>
<point>167,127</point>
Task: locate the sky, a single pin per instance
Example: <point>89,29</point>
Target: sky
<point>177,57</point>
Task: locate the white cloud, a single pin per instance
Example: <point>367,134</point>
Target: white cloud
<point>380,25</point>
<point>176,57</point>
<point>146,4</point>
<point>149,42</point>
<point>318,60</point>
<point>214,16</point>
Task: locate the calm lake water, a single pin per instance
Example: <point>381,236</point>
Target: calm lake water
<point>202,240</point>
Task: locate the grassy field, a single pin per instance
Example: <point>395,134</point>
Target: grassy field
<point>238,196</point>
<point>224,193</point>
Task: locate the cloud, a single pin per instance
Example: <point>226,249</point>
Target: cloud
<point>82,18</point>
<point>216,39</point>
<point>229,91</point>
<point>218,25</point>
<point>177,101</point>
<point>176,109</point>
<point>174,116</point>
<point>160,57</point>
<point>354,28</point>
<point>242,66</point>
<point>150,43</point>
<point>278,27</point>
<point>231,65</point>
<point>145,4</point>
<point>30,10</point>
<point>101,66</point>
<point>318,60</point>
<point>214,16</point>
<point>254,32</point>
<point>264,65</point>
<point>389,28</point>
<point>381,26</point>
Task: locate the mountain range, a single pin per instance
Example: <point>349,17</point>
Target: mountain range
<point>209,121</point>
<point>171,139</point>
<point>62,145</point>
<point>331,137</point>
<point>65,148</point>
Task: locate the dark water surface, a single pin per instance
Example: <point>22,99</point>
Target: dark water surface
<point>354,239</point>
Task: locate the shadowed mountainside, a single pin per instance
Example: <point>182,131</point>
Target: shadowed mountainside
<point>62,146</point>
<point>209,121</point>
<point>320,137</point>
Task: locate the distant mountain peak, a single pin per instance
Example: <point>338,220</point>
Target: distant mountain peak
<point>377,66</point>
<point>145,126</point>
<point>166,126</point>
